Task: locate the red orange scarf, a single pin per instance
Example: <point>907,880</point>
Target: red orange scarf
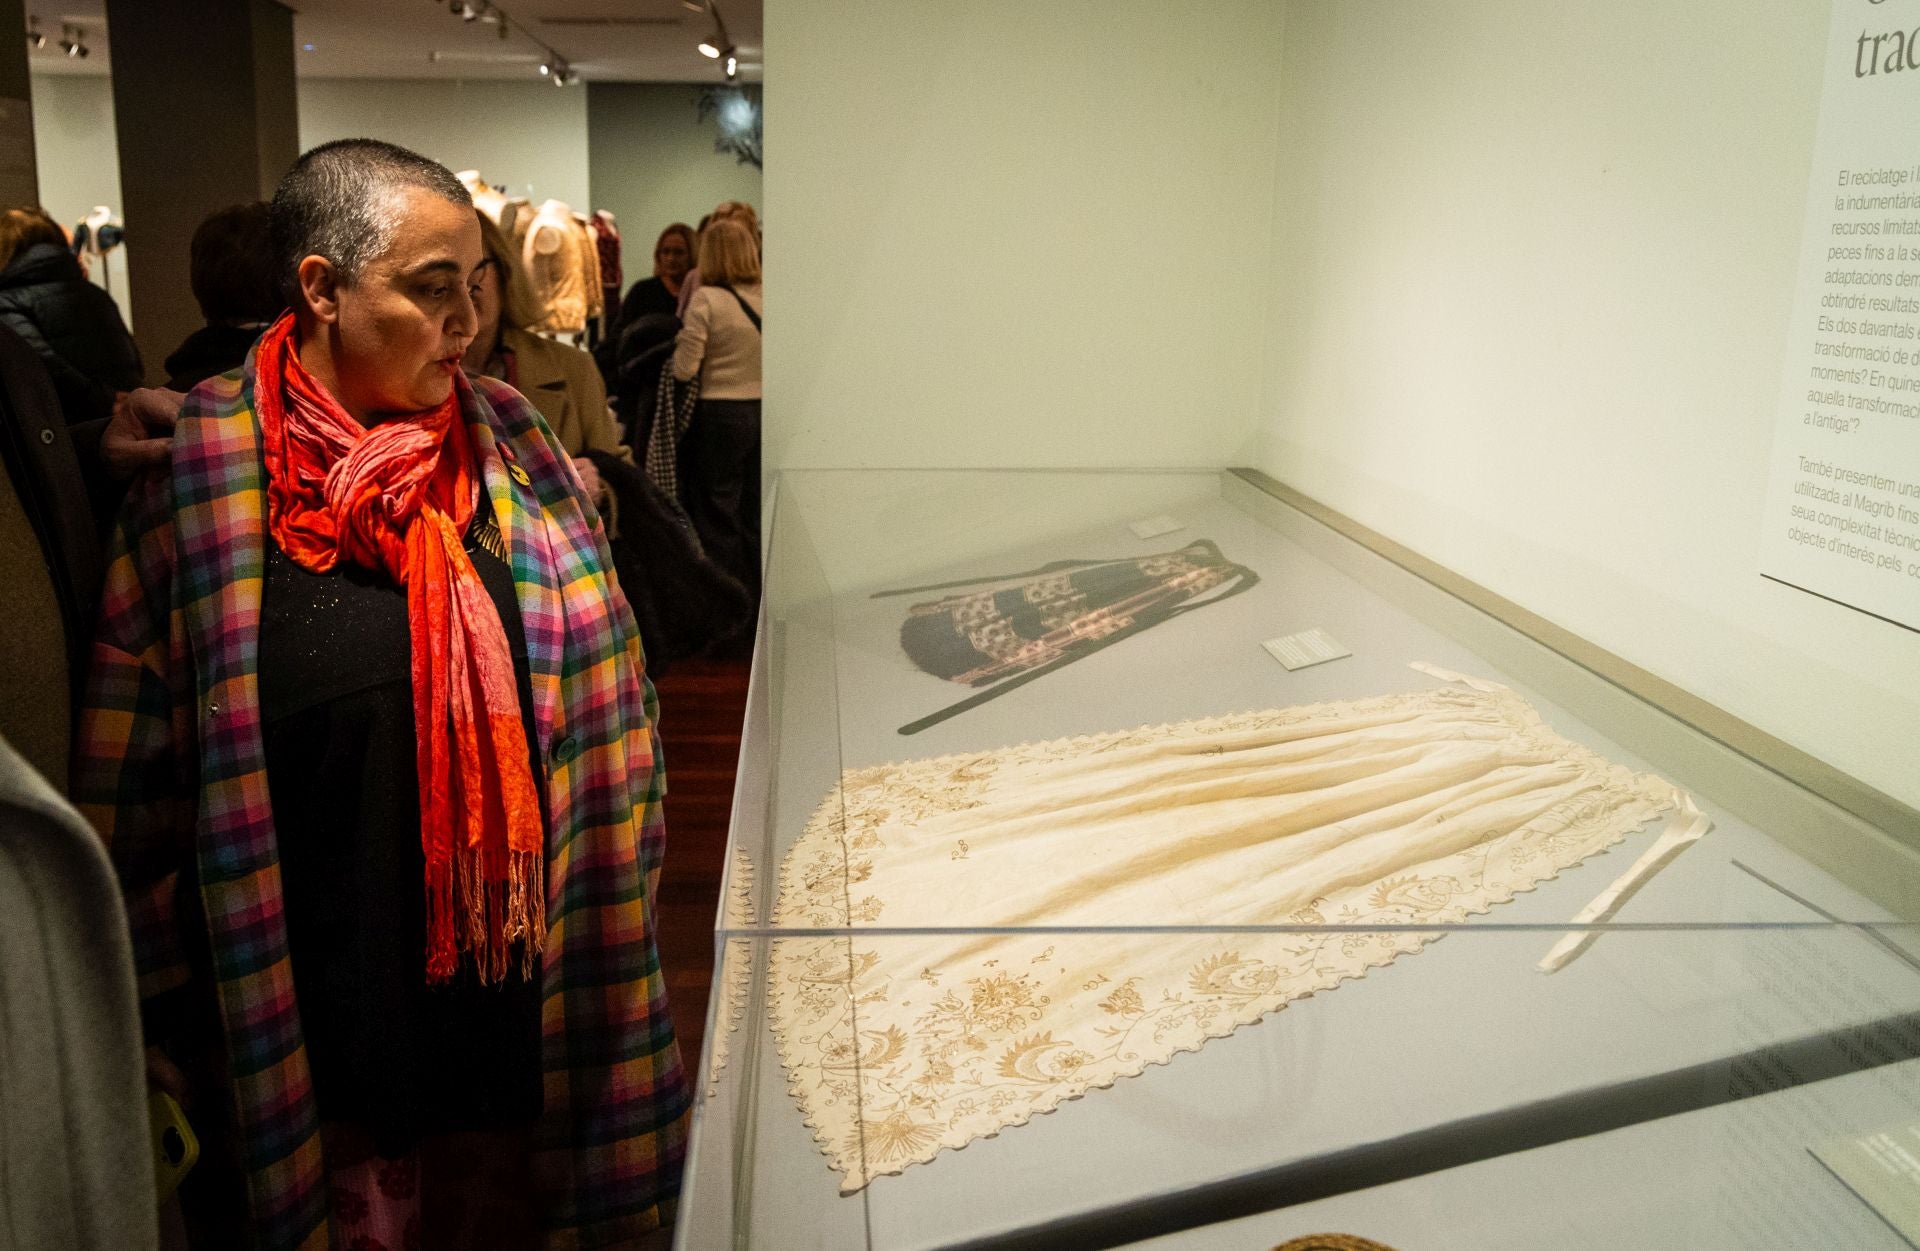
<point>397,497</point>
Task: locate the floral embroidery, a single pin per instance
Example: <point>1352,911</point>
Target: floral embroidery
<point>1125,1000</point>
<point>894,1136</point>
<point>898,1049</point>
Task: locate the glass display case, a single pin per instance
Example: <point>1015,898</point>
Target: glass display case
<point>1136,858</point>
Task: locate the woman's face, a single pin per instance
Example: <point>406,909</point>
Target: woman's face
<point>671,259</point>
<point>400,329</point>
<point>486,306</point>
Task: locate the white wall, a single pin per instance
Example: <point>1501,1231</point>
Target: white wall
<point>653,164</point>
<point>1532,269</point>
<point>531,136</point>
<point>79,161</point>
<point>1015,234</point>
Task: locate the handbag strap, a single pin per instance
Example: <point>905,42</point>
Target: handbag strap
<point>744,306</point>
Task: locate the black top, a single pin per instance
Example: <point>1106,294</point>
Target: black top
<point>388,1053</point>
<point>649,295</point>
<point>209,352</point>
<point>73,325</point>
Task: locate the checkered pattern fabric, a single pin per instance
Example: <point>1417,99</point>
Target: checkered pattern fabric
<point>170,765</point>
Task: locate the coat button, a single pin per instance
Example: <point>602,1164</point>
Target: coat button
<point>565,749</point>
<point>46,436</point>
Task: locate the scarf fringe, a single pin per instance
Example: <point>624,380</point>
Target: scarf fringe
<point>484,914</point>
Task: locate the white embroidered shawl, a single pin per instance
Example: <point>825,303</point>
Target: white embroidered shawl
<point>1403,809</point>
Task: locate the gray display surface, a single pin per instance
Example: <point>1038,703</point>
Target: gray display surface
<point>1732,1178</point>
<point>1465,1034</point>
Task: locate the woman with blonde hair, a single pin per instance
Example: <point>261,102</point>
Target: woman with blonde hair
<point>561,381</point>
<point>672,258</point>
<point>738,210</point>
<point>719,344</point>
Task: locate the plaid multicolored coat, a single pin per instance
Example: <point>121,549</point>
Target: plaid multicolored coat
<point>170,764</point>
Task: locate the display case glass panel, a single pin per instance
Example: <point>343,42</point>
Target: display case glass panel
<point>1117,855</point>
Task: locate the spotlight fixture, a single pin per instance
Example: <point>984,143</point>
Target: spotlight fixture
<point>546,69</point>
<point>716,46</point>
<point>71,41</point>
<point>36,36</point>
<point>733,65</point>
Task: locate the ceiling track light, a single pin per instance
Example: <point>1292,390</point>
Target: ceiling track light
<point>717,46</point>
<point>36,36</point>
<point>553,67</point>
<point>72,40</point>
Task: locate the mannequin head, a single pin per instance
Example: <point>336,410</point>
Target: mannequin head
<point>379,255</point>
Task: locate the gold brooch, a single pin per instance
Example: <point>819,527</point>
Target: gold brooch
<point>520,475</point>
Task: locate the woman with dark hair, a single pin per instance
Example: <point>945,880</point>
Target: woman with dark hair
<point>72,325</point>
<point>370,737</point>
<point>230,267</point>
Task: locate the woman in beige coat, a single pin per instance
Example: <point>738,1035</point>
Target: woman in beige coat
<point>561,381</point>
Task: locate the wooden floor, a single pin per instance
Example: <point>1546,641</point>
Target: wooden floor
<point>702,703</point>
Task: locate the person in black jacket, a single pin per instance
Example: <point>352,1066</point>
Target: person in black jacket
<point>230,265</point>
<point>72,325</point>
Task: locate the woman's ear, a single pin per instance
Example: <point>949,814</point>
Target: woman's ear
<point>320,288</point>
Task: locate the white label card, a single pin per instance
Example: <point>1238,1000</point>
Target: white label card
<point>1309,647</point>
<point>1154,527</point>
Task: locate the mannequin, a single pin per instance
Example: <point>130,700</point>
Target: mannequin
<point>485,198</point>
<point>606,241</point>
<point>551,255</point>
<point>98,233</point>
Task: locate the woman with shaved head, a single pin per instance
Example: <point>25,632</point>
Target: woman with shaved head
<point>370,737</point>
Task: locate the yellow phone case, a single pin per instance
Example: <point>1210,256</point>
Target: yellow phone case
<point>175,1149</point>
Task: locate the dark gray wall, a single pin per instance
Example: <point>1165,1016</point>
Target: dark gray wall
<point>18,184</point>
<point>275,107</point>
<point>203,102</point>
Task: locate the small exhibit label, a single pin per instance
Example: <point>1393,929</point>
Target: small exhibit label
<point>1154,527</point>
<point>1883,1168</point>
<point>1309,647</point>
